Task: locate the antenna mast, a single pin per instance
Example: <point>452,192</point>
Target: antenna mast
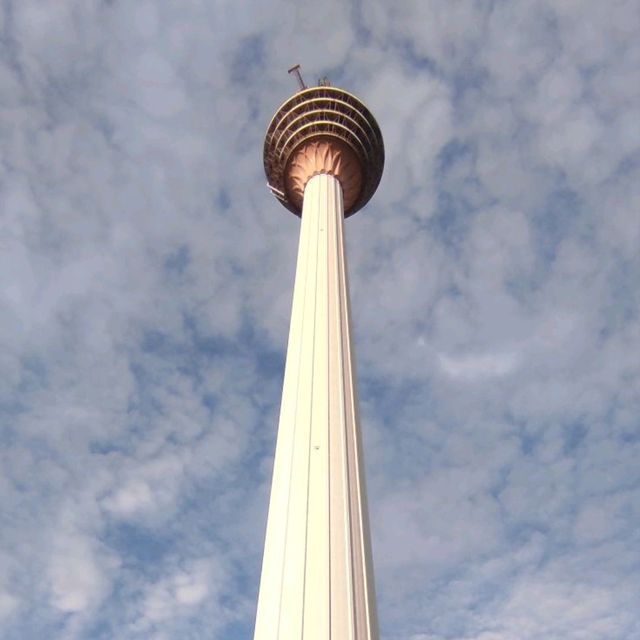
<point>296,71</point>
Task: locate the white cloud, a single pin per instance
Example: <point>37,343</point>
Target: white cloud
<point>8,604</point>
<point>178,596</point>
<point>470,367</point>
<point>79,578</point>
<point>133,497</point>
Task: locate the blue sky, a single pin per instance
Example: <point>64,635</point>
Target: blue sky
<point>145,285</point>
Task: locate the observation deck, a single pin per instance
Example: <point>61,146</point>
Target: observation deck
<point>324,114</point>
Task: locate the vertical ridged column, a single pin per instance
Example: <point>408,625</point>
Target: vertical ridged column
<point>317,580</point>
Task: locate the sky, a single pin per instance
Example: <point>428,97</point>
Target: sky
<point>146,278</point>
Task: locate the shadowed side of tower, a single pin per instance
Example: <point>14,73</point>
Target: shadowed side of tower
<point>323,157</point>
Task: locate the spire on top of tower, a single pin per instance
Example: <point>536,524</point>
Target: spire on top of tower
<point>298,74</point>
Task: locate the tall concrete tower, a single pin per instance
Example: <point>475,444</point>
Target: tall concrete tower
<point>323,156</point>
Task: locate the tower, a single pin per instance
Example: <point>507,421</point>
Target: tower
<point>323,156</point>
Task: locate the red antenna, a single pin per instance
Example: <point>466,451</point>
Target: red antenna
<point>296,71</point>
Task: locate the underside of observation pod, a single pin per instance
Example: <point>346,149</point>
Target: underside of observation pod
<point>323,130</point>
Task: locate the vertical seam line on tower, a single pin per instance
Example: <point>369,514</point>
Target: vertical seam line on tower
<point>328,327</point>
<point>352,451</point>
<point>313,353</point>
<point>345,448</point>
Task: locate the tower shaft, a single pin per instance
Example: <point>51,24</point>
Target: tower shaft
<point>317,579</point>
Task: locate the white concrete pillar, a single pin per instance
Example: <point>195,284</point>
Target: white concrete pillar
<point>317,577</point>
